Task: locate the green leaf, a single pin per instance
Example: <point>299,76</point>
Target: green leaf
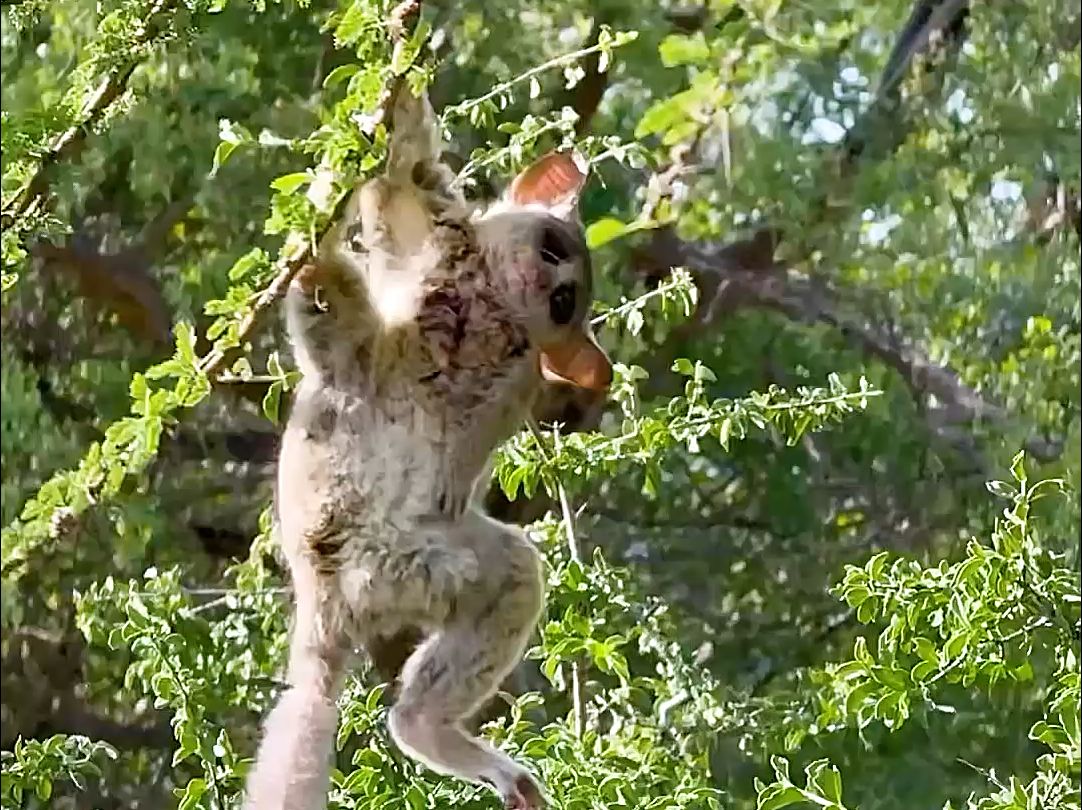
<point>222,153</point>
<point>856,595</point>
<point>659,117</point>
<point>780,766</point>
<point>185,337</point>
<point>826,780</point>
<point>680,49</point>
<point>605,230</point>
<point>683,366</point>
<point>1001,489</point>
<point>272,400</point>
<point>193,792</point>
<point>340,74</point>
<point>778,795</point>
<point>288,183</point>
<point>137,612</point>
<point>724,431</point>
<point>866,612</point>
<point>967,569</point>
<point>1018,467</point>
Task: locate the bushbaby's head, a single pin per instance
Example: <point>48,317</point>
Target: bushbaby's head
<point>535,243</point>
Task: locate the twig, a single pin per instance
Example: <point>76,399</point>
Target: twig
<point>635,303</point>
<point>575,551</point>
<point>991,777</point>
<point>399,23</point>
<point>503,87</point>
<point>69,142</point>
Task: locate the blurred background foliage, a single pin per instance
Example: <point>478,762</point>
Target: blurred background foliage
<point>837,259</point>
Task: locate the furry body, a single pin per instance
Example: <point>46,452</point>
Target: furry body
<point>419,335</point>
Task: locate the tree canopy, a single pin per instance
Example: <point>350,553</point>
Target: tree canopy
<point>824,527</point>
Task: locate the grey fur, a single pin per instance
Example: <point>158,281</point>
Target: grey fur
<point>417,336</point>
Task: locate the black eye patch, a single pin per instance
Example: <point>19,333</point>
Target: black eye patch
<point>562,304</point>
<point>553,248</point>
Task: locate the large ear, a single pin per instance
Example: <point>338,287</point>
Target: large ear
<point>577,360</point>
<point>555,181</point>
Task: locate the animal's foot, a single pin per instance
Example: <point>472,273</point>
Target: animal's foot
<point>524,794</point>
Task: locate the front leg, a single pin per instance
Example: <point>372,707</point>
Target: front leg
<point>414,151</point>
<point>329,319</point>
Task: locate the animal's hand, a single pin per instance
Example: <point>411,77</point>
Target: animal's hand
<point>308,279</point>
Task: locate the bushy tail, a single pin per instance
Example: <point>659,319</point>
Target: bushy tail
<point>292,769</point>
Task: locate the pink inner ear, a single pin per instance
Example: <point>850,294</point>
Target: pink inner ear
<point>556,178</point>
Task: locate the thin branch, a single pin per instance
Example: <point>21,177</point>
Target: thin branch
<point>72,140</point>
<point>503,87</point>
<point>635,303</point>
<point>575,552</point>
<point>400,20</point>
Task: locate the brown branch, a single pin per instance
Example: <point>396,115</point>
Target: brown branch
<point>745,272</point>
<point>73,716</point>
<point>402,17</point>
<point>43,671</point>
<point>933,34</point>
<point>70,142</point>
<point>731,278</point>
<point>118,281</point>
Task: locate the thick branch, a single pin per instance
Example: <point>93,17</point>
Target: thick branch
<point>119,282</point>
<point>739,274</point>
<point>745,273</point>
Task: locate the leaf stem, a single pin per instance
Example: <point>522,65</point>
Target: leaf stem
<point>575,552</point>
<point>635,303</point>
<point>503,87</point>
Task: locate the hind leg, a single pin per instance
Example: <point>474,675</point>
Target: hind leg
<point>449,676</point>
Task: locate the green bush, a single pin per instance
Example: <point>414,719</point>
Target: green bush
<point>837,260</point>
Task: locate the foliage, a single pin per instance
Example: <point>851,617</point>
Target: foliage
<point>785,559</point>
<point>34,766</point>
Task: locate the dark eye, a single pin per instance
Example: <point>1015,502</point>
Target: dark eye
<point>562,304</point>
<point>552,248</point>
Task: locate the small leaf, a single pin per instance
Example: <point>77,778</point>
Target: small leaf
<point>193,792</point>
<point>683,366</point>
<point>781,767</point>
<point>778,795</point>
<point>724,431</point>
<point>826,779</point>
<point>340,74</point>
<point>1001,489</point>
<point>1018,467</point>
<point>288,183</point>
<point>137,612</point>
<point>967,570</point>
<point>222,153</point>
<point>604,231</point>
<point>678,49</point>
<point>660,117</point>
<point>272,400</point>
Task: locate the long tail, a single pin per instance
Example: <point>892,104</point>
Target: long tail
<point>292,768</point>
